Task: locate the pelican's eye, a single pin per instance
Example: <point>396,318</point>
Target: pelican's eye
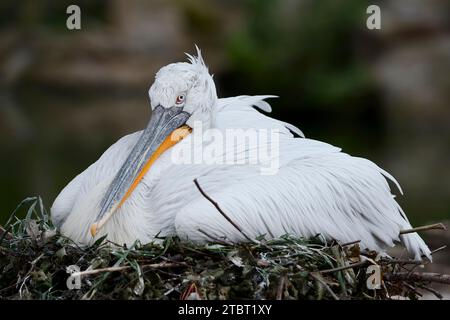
<point>180,99</point>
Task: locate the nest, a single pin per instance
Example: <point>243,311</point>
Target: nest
<point>35,258</point>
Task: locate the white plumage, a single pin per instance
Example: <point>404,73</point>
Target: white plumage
<point>317,189</point>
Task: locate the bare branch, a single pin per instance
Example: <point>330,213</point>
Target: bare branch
<point>222,242</point>
<point>437,226</point>
<point>215,204</point>
<point>410,287</point>
<point>114,269</point>
<point>417,276</point>
<point>438,249</point>
<point>437,294</point>
<point>281,286</point>
<point>350,243</point>
<point>5,234</point>
<point>319,279</point>
<point>358,264</point>
<point>400,261</point>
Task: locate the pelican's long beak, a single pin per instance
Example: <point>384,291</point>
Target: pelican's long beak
<point>165,129</point>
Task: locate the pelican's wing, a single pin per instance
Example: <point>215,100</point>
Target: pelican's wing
<point>238,112</point>
<point>103,169</point>
<point>336,195</point>
<point>64,202</point>
<point>317,189</point>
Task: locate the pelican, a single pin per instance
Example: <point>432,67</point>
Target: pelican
<point>143,187</point>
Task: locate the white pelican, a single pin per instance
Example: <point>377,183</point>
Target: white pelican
<point>137,190</point>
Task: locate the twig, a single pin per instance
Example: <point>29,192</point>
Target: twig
<point>325,285</point>
<point>28,274</point>
<point>213,238</point>
<point>437,294</point>
<point>5,234</point>
<point>437,226</point>
<point>8,287</point>
<point>417,276</point>
<point>114,269</point>
<point>95,271</point>
<point>350,243</point>
<point>215,204</point>
<point>9,252</point>
<point>399,261</point>
<point>438,249</point>
<point>281,288</point>
<point>345,267</point>
<point>189,290</point>
<point>410,287</point>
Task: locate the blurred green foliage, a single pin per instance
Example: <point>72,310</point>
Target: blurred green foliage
<point>309,58</point>
<point>312,53</point>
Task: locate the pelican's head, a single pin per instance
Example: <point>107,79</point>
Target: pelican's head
<point>187,86</point>
<point>182,94</point>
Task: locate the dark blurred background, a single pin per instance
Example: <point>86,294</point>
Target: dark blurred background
<point>65,96</point>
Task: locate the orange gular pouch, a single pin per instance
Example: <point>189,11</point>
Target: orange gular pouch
<point>165,129</point>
